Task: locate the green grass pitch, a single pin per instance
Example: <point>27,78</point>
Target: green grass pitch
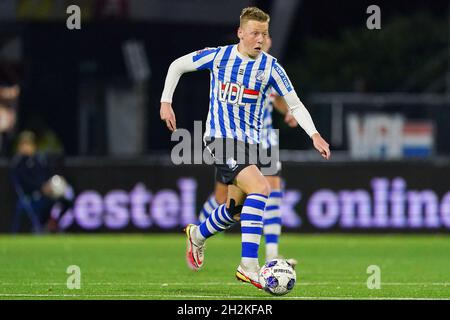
<point>153,267</point>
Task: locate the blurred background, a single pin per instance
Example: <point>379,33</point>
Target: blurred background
<point>84,104</point>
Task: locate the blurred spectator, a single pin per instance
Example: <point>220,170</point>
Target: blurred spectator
<point>8,109</point>
<point>35,185</point>
<point>9,94</point>
<point>47,141</point>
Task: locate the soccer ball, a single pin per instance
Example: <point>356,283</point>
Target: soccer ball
<point>277,277</point>
<point>58,186</point>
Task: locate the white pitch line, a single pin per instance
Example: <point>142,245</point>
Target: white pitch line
<point>222,283</point>
<point>208,296</point>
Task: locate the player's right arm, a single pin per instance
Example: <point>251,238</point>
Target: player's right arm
<point>199,60</point>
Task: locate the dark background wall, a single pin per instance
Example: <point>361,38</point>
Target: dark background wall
<point>140,196</point>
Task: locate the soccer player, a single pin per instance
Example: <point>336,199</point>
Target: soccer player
<point>241,75</point>
<point>272,212</point>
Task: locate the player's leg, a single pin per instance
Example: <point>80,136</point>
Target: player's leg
<point>252,183</point>
<point>224,216</point>
<point>272,218</point>
<point>272,214</point>
<point>219,197</point>
<point>219,220</point>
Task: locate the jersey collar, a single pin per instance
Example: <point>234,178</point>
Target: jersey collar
<point>245,58</point>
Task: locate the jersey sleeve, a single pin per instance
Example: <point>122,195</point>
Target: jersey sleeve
<point>279,80</point>
<point>203,59</point>
<point>198,60</point>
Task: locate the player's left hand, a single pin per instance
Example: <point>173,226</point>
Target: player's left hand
<point>290,120</point>
<point>321,145</point>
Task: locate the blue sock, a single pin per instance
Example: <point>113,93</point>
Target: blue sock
<point>207,209</point>
<point>252,228</point>
<point>218,221</point>
<point>272,224</point>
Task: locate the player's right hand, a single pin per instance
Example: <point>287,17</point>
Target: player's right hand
<point>168,116</point>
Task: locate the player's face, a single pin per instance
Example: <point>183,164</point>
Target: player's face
<point>268,44</point>
<point>253,36</point>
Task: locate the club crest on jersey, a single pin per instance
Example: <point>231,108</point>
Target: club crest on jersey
<point>237,94</point>
<point>260,75</point>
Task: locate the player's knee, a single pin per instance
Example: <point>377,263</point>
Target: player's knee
<point>264,188</point>
<point>261,188</point>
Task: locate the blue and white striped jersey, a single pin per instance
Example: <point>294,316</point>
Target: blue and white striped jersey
<point>238,91</point>
<point>268,135</point>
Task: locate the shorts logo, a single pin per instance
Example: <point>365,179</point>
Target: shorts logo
<point>232,164</point>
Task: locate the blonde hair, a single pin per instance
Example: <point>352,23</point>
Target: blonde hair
<point>253,13</point>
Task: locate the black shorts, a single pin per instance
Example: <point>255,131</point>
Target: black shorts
<point>231,156</point>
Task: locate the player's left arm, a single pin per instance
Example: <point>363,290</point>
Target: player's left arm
<point>283,86</point>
